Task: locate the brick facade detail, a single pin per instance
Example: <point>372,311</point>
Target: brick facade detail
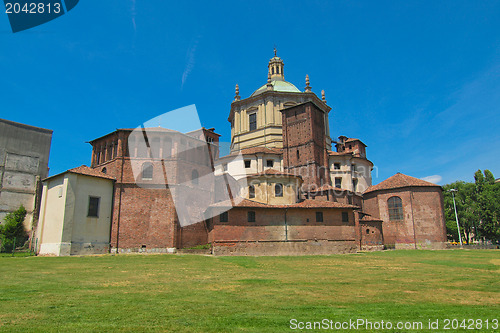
<point>304,144</point>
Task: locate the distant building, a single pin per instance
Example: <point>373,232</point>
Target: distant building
<point>24,157</point>
<point>497,181</point>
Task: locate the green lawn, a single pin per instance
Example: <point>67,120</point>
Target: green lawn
<point>191,293</point>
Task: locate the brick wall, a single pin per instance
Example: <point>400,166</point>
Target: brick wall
<point>304,145</point>
<point>423,224</point>
<point>371,235</point>
<point>144,214</point>
<point>269,225</point>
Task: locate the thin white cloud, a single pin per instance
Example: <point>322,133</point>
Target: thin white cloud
<point>133,15</point>
<point>433,179</point>
<point>190,62</point>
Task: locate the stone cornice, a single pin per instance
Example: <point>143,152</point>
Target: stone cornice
<point>271,93</point>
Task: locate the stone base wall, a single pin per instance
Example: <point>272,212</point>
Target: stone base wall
<point>421,246</point>
<point>281,248</point>
<point>144,250</point>
<point>73,248</point>
<point>372,247</point>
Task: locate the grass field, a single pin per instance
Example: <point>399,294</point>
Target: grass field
<point>190,293</point>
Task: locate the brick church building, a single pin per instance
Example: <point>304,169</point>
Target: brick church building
<point>281,190</point>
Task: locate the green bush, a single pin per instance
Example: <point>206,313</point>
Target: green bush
<point>12,233</point>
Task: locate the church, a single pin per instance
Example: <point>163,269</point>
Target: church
<point>285,188</point>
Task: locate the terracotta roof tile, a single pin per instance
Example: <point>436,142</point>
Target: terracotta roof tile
<point>327,187</point>
<point>369,218</point>
<point>322,204</point>
<point>245,203</point>
<point>399,180</point>
<point>85,170</point>
<point>334,153</point>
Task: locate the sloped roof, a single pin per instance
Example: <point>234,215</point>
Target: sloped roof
<point>335,153</point>
<point>354,139</point>
<point>85,170</point>
<point>399,180</point>
<point>273,172</point>
<point>369,218</point>
<point>327,187</point>
<point>245,203</point>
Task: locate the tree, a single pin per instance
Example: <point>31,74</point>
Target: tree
<point>467,210</point>
<point>478,208</point>
<point>488,201</point>
<point>12,232</point>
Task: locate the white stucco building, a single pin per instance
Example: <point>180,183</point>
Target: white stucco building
<point>75,214</point>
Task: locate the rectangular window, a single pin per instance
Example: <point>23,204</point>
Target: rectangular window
<point>354,184</point>
<point>247,163</point>
<point>319,216</point>
<point>223,217</point>
<point>345,217</point>
<point>269,163</point>
<point>224,166</point>
<point>93,207</point>
<point>251,216</point>
<point>336,166</point>
<point>338,182</point>
<point>253,121</point>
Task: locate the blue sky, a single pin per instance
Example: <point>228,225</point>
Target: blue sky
<point>417,81</point>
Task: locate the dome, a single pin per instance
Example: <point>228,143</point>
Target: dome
<point>278,85</point>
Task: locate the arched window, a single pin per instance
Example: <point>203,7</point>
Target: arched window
<point>251,191</point>
<point>97,157</point>
<point>131,146</point>
<point>167,147</point>
<point>194,177</point>
<point>278,190</point>
<point>147,171</point>
<point>109,154</point>
<point>155,148</point>
<point>395,205</point>
<point>115,149</point>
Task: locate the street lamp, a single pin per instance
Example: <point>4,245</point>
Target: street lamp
<point>456,216</point>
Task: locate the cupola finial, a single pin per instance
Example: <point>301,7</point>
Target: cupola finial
<point>237,91</point>
<point>323,96</point>
<point>308,87</point>
<point>269,84</point>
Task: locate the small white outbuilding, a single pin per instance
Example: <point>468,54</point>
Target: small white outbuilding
<point>75,213</point>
